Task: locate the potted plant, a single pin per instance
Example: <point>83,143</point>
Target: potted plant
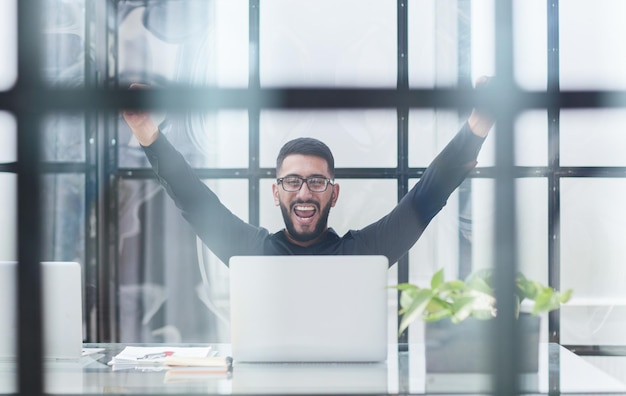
<point>456,312</point>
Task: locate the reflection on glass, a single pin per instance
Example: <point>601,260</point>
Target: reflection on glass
<point>162,296</point>
<point>531,56</point>
<point>590,42</point>
<point>64,138</point>
<point>326,43</point>
<point>592,260</point>
<point>531,222</point>
<point>357,138</point>
<point>593,137</point>
<point>64,43</point>
<point>531,139</point>
<point>8,43</point>
<point>63,197</point>
<point>429,132</point>
<point>194,42</point>
<point>210,140</point>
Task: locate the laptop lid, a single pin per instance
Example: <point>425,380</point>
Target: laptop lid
<point>61,304</point>
<point>308,308</point>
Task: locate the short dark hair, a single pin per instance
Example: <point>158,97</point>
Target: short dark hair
<point>306,146</point>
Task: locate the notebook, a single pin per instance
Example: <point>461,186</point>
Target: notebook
<point>62,310</point>
<point>308,308</point>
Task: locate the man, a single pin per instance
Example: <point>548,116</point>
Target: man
<point>305,190</point>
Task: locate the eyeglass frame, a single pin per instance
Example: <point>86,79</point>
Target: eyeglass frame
<point>304,180</point>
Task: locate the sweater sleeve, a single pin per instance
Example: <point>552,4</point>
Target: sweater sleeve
<point>397,232</point>
<point>222,231</point>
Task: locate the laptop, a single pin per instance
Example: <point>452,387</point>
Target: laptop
<point>62,310</point>
<point>308,308</point>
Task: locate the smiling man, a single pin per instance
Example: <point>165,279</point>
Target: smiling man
<point>305,190</point>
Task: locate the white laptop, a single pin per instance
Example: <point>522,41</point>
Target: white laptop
<point>62,310</point>
<point>308,308</point>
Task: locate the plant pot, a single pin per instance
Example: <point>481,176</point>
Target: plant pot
<point>467,347</point>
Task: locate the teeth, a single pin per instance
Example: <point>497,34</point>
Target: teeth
<point>304,208</point>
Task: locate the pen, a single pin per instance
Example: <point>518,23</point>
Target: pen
<point>156,355</point>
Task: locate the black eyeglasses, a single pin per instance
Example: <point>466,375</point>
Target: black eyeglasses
<point>294,183</point>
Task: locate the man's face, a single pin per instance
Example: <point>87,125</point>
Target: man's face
<point>305,212</point>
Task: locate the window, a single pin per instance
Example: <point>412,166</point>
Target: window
<point>103,207</point>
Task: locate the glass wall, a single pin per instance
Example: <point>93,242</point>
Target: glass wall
<point>147,277</point>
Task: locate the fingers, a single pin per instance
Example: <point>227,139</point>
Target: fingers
<point>140,122</point>
<point>481,120</point>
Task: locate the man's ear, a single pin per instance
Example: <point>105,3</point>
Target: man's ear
<point>275,193</point>
<point>335,195</point>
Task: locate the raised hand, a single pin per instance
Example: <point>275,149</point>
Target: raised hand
<point>141,123</point>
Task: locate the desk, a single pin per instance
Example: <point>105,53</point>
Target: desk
<point>403,373</point>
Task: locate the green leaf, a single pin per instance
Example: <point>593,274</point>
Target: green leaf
<point>453,285</point>
<point>484,274</point>
<point>437,279</point>
<point>415,308</point>
<point>462,308</point>
<point>437,315</point>
<point>480,285</point>
<point>545,301</point>
<point>565,296</point>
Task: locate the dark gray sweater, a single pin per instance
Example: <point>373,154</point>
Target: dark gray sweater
<point>392,236</point>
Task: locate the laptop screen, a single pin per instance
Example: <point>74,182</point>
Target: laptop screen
<point>309,308</point>
<point>62,309</point>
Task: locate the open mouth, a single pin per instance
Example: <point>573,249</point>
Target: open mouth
<point>304,212</point>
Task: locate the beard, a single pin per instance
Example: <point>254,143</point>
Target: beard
<point>319,229</point>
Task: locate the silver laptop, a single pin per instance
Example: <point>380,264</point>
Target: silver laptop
<point>62,310</point>
<point>308,308</point>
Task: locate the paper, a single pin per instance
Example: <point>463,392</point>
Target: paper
<point>151,356</point>
<point>197,369</point>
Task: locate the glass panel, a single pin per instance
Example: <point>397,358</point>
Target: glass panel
<point>592,260</point>
<point>590,39</point>
<point>195,42</point>
<point>64,236</point>
<point>211,140</point>
<point>531,139</point>
<point>357,138</point>
<point>64,138</point>
<point>532,225</point>
<point>357,45</point>
<point>64,43</point>
<point>483,25</point>
<point>432,43</point>
<point>429,132</point>
<point>8,137</point>
<point>593,137</point>
<point>8,43</point>
<point>162,297</point>
<point>8,217</point>
<point>530,44</point>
